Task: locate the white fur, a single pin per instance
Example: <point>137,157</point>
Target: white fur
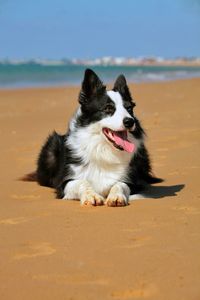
<point>119,194</point>
<point>137,197</point>
<point>81,189</point>
<point>102,164</point>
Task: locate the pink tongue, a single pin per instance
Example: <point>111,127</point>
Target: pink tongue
<point>121,140</point>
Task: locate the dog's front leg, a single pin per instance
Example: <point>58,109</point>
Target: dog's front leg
<point>118,195</point>
<point>81,189</point>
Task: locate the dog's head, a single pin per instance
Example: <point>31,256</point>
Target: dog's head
<point>110,111</point>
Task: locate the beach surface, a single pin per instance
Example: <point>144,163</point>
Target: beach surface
<point>54,249</point>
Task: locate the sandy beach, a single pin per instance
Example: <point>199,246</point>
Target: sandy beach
<point>53,249</point>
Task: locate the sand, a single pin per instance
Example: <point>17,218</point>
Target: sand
<point>54,249</point>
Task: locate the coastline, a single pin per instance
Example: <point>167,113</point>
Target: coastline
<point>149,249</point>
<point>38,75</point>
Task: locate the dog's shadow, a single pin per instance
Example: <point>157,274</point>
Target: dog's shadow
<point>157,192</point>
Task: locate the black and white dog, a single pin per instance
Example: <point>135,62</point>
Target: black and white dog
<point>102,158</point>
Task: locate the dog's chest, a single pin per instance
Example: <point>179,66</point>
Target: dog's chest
<point>101,178</point>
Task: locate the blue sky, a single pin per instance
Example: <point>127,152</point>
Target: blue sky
<point>88,29</point>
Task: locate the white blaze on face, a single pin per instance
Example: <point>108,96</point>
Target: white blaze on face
<point>115,122</point>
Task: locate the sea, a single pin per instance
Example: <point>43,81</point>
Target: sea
<point>37,75</point>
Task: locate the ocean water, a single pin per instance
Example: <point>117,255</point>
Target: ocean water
<point>35,75</point>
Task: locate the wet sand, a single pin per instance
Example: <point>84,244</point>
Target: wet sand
<point>53,249</point>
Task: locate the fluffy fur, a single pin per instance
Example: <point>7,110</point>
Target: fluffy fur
<point>87,163</point>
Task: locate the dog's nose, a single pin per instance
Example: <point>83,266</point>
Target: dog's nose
<point>128,122</point>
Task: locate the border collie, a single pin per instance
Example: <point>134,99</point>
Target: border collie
<point>102,158</point>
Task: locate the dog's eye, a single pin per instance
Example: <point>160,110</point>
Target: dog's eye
<point>130,109</point>
<point>109,109</point>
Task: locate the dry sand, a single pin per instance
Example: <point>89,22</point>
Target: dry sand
<point>53,249</point>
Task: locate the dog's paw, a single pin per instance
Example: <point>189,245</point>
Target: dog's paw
<point>116,200</point>
<point>92,198</point>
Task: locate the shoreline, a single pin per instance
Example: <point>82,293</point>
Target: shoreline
<point>28,76</point>
<point>77,85</point>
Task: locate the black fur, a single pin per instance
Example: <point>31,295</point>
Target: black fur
<point>53,168</point>
<point>50,162</point>
<point>92,108</point>
<point>53,161</point>
<point>140,173</point>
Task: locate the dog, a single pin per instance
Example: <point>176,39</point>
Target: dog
<point>102,158</point>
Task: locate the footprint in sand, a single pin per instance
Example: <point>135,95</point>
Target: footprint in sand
<point>19,220</point>
<point>25,197</point>
<point>142,292</point>
<point>70,279</point>
<point>35,250</point>
<point>137,241</point>
<point>14,221</point>
<point>189,210</point>
<point>143,225</point>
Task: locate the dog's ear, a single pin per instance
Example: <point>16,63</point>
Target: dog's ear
<point>122,87</point>
<point>91,86</point>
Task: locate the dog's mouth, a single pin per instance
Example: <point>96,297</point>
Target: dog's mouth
<point>119,139</point>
